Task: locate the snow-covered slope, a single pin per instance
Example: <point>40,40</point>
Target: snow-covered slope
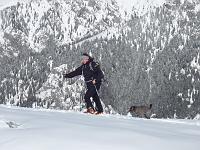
<point>5,3</point>
<point>23,129</point>
<point>139,6</point>
<point>66,21</point>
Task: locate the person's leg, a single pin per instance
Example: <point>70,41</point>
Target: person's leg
<point>89,93</point>
<point>96,99</point>
<point>87,99</point>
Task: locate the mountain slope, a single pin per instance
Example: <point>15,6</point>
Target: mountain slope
<point>66,21</point>
<point>149,53</point>
<point>50,130</point>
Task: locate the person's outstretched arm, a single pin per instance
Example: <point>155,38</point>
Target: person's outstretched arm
<point>74,73</point>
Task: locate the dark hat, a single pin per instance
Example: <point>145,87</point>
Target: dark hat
<point>90,58</point>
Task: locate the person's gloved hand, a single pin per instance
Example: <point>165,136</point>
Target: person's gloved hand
<point>94,81</point>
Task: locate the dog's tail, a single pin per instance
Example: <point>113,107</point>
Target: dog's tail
<point>150,106</point>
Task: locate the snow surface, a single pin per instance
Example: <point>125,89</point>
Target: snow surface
<point>34,129</point>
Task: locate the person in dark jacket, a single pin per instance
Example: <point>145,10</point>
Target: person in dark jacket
<point>92,75</point>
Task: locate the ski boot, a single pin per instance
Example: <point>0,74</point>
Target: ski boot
<point>90,110</point>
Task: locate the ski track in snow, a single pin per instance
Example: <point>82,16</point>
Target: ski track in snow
<point>40,129</point>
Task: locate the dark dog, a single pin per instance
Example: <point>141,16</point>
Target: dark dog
<point>141,111</point>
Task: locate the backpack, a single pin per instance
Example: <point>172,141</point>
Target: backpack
<point>101,72</point>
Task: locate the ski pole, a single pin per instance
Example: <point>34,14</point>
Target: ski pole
<point>96,90</point>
